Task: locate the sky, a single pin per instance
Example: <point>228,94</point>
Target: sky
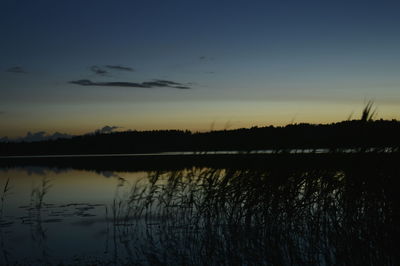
<point>76,66</point>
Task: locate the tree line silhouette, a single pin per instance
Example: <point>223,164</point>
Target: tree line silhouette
<point>341,135</point>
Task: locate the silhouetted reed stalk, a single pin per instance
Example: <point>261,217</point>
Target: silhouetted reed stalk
<point>368,112</point>
<point>4,195</point>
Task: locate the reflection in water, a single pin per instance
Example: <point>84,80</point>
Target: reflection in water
<point>207,216</point>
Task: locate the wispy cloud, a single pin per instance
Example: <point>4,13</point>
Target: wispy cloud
<point>148,84</point>
<point>101,71</point>
<point>106,129</point>
<point>206,58</point>
<point>118,67</point>
<point>38,136</point>
<point>182,87</point>
<point>17,70</point>
<point>98,71</point>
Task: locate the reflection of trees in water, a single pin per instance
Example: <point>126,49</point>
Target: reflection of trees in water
<point>285,217</point>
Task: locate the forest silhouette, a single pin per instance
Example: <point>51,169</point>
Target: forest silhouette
<point>360,135</point>
<point>341,135</point>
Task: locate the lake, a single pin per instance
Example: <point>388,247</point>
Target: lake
<point>219,209</point>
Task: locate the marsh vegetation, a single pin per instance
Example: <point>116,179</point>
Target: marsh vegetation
<point>240,217</point>
<point>341,212</point>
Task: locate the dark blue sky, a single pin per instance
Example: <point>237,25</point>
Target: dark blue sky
<point>74,66</point>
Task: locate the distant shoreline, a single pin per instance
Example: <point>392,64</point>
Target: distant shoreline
<point>342,136</point>
<point>200,153</point>
<point>168,162</point>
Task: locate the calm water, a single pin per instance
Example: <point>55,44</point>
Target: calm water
<point>345,214</point>
<point>72,219</point>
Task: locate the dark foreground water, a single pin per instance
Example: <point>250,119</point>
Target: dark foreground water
<point>288,211</point>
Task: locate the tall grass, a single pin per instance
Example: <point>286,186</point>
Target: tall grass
<point>250,217</point>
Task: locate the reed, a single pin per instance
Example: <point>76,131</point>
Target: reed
<point>278,217</point>
<point>4,194</point>
<point>368,112</point>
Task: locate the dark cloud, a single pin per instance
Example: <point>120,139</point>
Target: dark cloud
<point>206,58</point>
<point>86,82</point>
<point>148,84</point>
<point>167,82</point>
<point>103,72</point>
<point>161,83</point>
<point>106,129</point>
<point>98,71</point>
<point>182,87</point>
<point>17,70</point>
<point>43,135</point>
<point>117,67</point>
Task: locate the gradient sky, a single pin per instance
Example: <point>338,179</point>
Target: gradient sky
<point>75,66</point>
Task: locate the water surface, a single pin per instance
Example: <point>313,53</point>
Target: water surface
<point>280,213</point>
